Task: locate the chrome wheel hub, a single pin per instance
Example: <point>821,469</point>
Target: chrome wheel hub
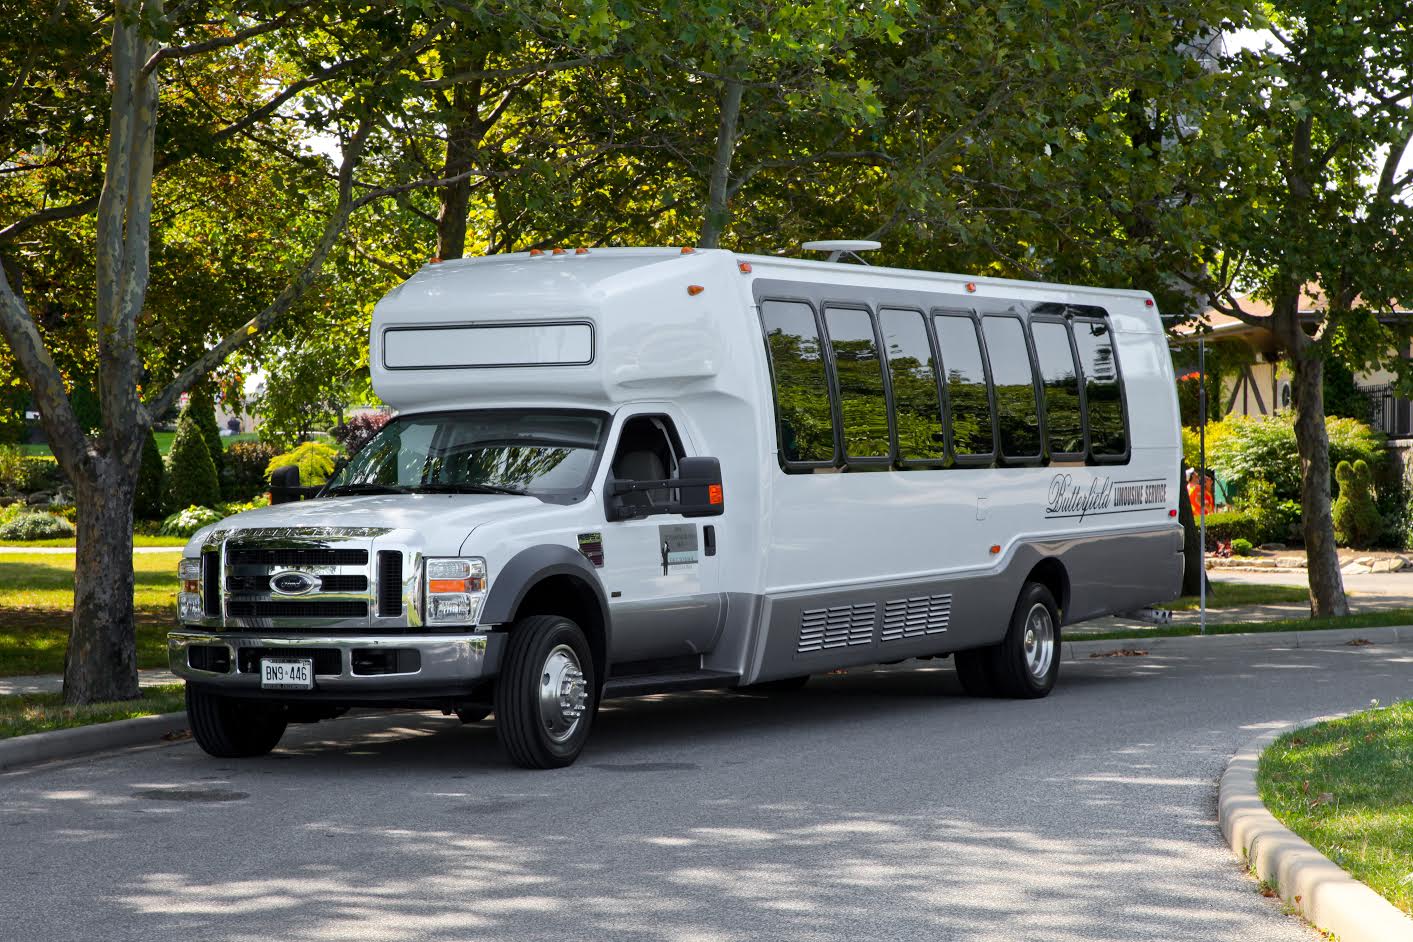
<point>1039,641</point>
<point>563,693</point>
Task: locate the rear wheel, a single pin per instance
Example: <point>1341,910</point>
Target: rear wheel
<point>1026,663</point>
<point>546,694</point>
<point>233,729</point>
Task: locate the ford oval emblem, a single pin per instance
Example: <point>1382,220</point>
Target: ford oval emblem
<point>290,582</point>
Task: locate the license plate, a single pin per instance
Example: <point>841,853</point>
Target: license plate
<point>290,673</point>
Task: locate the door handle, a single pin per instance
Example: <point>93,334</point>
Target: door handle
<point>709,540</point>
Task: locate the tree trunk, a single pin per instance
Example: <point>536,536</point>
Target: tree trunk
<point>1308,395</point>
<point>717,212</point>
<point>463,133</point>
<point>102,658</point>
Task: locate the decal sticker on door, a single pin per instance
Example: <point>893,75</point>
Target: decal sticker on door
<point>591,545</point>
<point>678,543</point>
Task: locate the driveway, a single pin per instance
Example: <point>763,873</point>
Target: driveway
<point>869,806</point>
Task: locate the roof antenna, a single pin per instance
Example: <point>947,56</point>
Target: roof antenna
<point>838,248</point>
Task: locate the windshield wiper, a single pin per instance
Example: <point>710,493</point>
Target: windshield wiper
<point>366,489</point>
<point>450,488</point>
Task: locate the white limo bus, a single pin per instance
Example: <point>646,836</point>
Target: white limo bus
<point>616,472</point>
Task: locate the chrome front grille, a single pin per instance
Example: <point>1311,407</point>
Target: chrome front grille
<point>308,580</point>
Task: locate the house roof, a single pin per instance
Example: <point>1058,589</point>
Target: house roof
<point>1221,326</point>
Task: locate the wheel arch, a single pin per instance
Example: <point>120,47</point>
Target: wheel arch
<point>1051,573</point>
<point>552,579</point>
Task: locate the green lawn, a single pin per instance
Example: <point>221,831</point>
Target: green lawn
<point>1397,616</point>
<point>36,606</point>
<point>137,540</point>
<point>1344,787</point>
<point>164,442</point>
<point>1232,594</point>
<point>38,712</point>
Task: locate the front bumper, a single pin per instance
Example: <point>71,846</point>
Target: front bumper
<point>346,667</point>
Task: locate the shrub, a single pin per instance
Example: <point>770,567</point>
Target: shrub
<point>36,525</point>
<point>201,408</point>
<point>1230,525</point>
<point>188,521</point>
<point>147,502</point>
<point>315,461</point>
<point>356,432</point>
<point>12,468</point>
<point>1240,547</point>
<point>191,479</point>
<point>42,473</point>
<point>1356,518</point>
<point>235,507</point>
<point>1242,449</point>
<point>244,475</point>
<point>1274,519</point>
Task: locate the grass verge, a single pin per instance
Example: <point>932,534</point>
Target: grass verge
<point>1231,594</point>
<point>1344,787</point>
<point>1395,616</point>
<point>24,713</point>
<point>36,609</point>
<point>176,542</point>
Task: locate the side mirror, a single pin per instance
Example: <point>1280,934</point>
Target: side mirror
<point>699,492</point>
<point>697,488</point>
<point>284,485</point>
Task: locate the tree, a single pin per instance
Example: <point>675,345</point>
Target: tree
<point>1307,199</point>
<point>191,480</point>
<point>339,70</point>
<point>202,410</point>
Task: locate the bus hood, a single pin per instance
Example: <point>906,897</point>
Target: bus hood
<point>444,520</point>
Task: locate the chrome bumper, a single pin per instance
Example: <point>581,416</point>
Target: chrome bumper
<point>446,664</point>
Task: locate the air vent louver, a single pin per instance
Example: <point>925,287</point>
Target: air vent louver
<point>913,617</point>
<point>841,626</point>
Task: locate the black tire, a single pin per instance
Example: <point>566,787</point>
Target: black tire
<point>472,714</point>
<point>528,739</point>
<point>974,671</point>
<point>783,685</point>
<point>1016,669</point>
<point>233,729</point>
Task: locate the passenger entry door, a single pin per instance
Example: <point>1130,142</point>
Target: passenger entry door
<point>659,568</point>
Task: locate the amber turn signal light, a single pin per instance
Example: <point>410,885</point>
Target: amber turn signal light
<point>695,290</point>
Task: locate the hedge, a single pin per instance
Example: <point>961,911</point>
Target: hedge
<point>191,478</point>
<point>1243,449</point>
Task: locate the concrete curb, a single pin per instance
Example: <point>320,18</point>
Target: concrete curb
<point>1081,650</point>
<point>1309,882</point>
<point>81,740</point>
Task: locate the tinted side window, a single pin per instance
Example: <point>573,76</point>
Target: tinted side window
<point>862,402</point>
<point>806,422</point>
<point>917,412</point>
<point>1103,389</point>
<point>1016,409</point>
<point>968,407</point>
<point>1059,377</point>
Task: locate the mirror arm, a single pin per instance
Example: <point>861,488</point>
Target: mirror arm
<point>628,487</point>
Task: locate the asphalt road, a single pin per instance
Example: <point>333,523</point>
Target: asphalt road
<point>874,805</point>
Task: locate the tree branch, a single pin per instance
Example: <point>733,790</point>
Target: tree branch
<point>220,42</point>
<point>292,292</point>
<point>12,94</point>
<point>536,69</point>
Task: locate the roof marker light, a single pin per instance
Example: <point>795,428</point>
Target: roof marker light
<point>745,267</point>
<point>581,251</point>
<point>558,250</point>
<point>695,290</point>
<point>1147,302</point>
<point>971,286</point>
<point>434,260</point>
<point>687,250</point>
<point>534,253</point>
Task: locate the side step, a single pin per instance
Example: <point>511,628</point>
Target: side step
<point>637,685</point>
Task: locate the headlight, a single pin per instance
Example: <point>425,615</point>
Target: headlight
<point>455,589</point>
<point>189,607</point>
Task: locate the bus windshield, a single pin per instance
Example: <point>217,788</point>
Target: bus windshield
<point>542,453</point>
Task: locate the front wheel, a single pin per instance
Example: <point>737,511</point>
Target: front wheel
<point>233,729</point>
<point>546,694</point>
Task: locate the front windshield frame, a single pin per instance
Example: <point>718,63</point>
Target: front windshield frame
<point>557,496</point>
